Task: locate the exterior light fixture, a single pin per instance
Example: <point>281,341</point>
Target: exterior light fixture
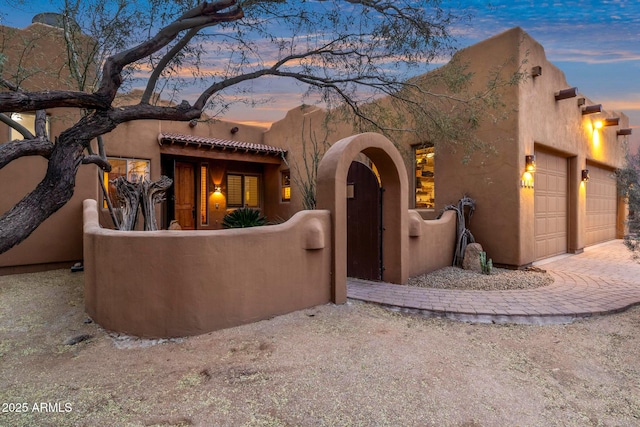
<point>530,163</point>
<point>581,102</point>
<point>613,121</point>
<point>527,180</point>
<point>536,71</point>
<point>193,123</point>
<point>585,175</point>
<point>598,124</point>
<point>217,189</point>
<point>234,129</point>
<point>567,93</point>
<point>591,109</point>
<point>624,132</point>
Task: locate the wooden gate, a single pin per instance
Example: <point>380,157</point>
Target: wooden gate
<point>364,223</point>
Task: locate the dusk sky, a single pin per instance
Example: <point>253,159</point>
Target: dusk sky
<point>595,43</point>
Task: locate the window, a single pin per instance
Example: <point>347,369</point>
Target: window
<point>28,120</point>
<point>286,186</point>
<point>243,190</point>
<point>132,169</point>
<point>425,184</point>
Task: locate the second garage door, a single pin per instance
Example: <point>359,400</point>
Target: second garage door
<point>550,205</point>
<point>602,202</point>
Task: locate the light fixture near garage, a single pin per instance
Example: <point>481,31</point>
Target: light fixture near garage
<point>622,132</point>
<point>612,121</point>
<point>585,175</point>
<point>529,169</point>
<point>530,163</point>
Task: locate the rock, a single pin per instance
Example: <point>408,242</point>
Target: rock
<point>78,339</point>
<point>471,259</point>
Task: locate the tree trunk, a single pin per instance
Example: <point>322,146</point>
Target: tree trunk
<point>129,194</point>
<point>153,192</point>
<point>53,192</point>
<point>144,195</point>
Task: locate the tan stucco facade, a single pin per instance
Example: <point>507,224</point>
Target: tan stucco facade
<point>504,221</point>
<point>177,283</point>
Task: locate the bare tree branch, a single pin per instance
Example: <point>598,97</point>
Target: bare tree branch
<point>17,126</point>
<point>203,15</point>
<point>24,147</point>
<point>32,101</point>
<point>97,160</point>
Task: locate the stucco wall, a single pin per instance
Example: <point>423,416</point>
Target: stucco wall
<point>431,242</point>
<point>178,283</point>
<point>504,219</point>
<point>560,127</point>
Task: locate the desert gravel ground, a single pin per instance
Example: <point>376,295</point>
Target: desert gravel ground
<point>349,365</point>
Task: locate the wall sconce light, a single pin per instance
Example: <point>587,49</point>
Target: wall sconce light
<point>566,93</point>
<point>536,71</point>
<point>530,163</point>
<point>217,189</point>
<point>590,109</point>
<point>527,180</point>
<point>585,175</point>
<point>613,121</point>
<point>581,102</point>
<point>234,129</point>
<point>193,123</point>
<point>624,132</point>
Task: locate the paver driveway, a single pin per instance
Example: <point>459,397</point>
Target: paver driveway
<point>603,279</point>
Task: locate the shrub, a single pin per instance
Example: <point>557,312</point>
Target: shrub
<point>242,218</point>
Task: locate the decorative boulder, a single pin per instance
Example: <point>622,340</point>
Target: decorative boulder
<point>471,259</point>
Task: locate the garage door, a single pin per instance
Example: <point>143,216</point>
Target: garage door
<point>602,203</point>
<point>550,205</point>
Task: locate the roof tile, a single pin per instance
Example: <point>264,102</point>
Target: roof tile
<point>200,141</point>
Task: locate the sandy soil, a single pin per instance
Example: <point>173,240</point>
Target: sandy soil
<point>349,365</point>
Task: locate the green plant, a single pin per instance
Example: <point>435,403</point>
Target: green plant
<point>242,218</point>
<point>487,265</point>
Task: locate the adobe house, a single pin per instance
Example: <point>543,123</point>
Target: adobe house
<point>522,215</point>
<point>547,189</point>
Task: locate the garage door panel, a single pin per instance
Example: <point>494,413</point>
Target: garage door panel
<point>550,205</point>
<point>602,203</point>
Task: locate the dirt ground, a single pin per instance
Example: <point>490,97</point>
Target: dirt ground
<point>349,365</point>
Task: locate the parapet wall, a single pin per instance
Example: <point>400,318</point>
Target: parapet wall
<point>179,283</point>
<point>431,242</point>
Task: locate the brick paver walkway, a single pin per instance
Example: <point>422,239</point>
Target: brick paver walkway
<point>604,279</point>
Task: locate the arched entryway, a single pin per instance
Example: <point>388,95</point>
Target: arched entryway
<point>332,195</point>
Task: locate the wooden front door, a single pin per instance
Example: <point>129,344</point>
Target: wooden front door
<point>185,195</point>
<point>364,223</point>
